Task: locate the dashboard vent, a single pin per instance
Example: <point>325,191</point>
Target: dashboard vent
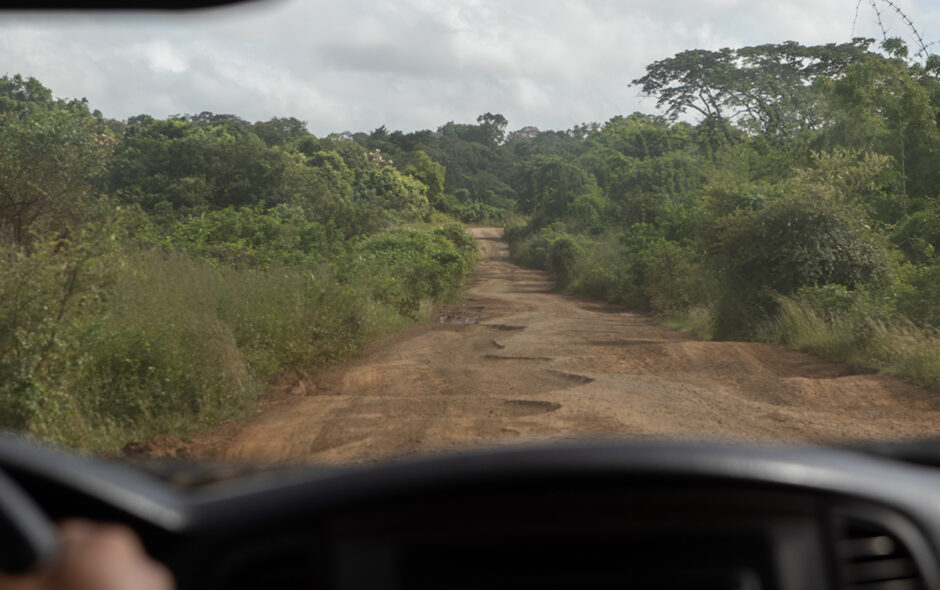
<point>871,557</point>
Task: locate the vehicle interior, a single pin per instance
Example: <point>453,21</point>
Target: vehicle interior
<point>585,515</point>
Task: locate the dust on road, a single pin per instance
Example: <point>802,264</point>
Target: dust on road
<point>516,362</point>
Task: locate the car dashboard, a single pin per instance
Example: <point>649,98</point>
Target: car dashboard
<point>589,515</point>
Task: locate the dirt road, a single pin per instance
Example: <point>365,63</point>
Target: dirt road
<point>516,362</point>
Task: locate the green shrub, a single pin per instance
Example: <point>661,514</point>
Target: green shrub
<point>605,272</point>
<point>406,267</point>
<point>563,256</point>
<point>50,294</point>
<point>918,236</point>
<point>674,279</point>
<point>99,347</point>
<point>461,240</point>
<point>792,242</point>
<point>918,294</point>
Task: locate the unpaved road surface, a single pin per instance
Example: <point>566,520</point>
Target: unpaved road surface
<point>516,362</point>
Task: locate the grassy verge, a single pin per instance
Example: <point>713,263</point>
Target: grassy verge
<point>100,346</point>
<point>853,336</point>
<point>889,345</point>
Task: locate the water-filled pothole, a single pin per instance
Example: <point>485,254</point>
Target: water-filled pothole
<point>500,357</point>
<point>504,327</point>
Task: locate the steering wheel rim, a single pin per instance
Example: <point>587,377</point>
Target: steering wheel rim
<point>28,536</point>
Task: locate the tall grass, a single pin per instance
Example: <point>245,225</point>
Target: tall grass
<point>894,346</point>
<point>147,341</point>
<point>698,320</point>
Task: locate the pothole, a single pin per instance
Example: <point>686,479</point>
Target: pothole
<point>573,377</point>
<point>499,357</point>
<point>528,407</point>
<point>462,321</point>
<point>460,315</point>
<point>504,327</point>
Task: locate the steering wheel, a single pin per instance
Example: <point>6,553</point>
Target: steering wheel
<point>28,537</point>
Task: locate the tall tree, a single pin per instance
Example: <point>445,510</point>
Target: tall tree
<point>765,89</point>
<point>51,151</point>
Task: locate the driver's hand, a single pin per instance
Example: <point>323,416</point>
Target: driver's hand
<point>96,557</point>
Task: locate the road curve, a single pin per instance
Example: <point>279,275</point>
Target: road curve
<point>515,362</point>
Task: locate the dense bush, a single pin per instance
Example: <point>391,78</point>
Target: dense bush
<point>792,242</point>
<point>408,267</point>
<point>49,296</point>
<point>918,294</point>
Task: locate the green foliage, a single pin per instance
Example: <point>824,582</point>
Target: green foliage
<point>918,293</point>
<point>238,251</point>
<point>564,254</point>
<point>555,184</point>
<point>102,345</point>
<point>422,168</point>
<point>791,243</point>
<point>881,105</point>
<point>49,297</point>
<point>918,236</point>
<point>50,154</point>
<point>782,206</point>
<point>252,237</point>
<point>407,267</point>
<point>159,357</point>
<point>398,194</point>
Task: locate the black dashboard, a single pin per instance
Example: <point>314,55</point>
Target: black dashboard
<point>593,515</point>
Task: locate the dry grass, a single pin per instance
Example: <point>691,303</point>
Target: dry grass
<point>895,346</point>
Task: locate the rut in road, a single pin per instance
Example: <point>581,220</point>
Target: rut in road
<point>516,362</point>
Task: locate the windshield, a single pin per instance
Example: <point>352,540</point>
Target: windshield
<point>339,232</point>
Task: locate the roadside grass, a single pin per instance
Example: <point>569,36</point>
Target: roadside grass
<point>696,320</point>
<point>150,341</point>
<point>893,346</point>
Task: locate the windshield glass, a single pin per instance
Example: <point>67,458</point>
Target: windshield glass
<point>337,232</point>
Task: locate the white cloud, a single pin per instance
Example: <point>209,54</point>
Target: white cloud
<point>358,64</point>
<point>160,56</point>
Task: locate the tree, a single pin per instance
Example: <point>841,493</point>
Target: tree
<point>637,136</point>
<point>765,89</point>
<point>51,151</point>
<point>883,105</point>
<point>421,167</point>
<point>555,184</point>
<point>493,127</point>
<point>216,162</point>
<point>280,131</point>
<point>18,94</point>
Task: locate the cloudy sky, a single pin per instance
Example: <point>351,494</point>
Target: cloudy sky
<point>409,64</point>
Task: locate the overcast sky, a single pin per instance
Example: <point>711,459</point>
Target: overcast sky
<point>408,64</point>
